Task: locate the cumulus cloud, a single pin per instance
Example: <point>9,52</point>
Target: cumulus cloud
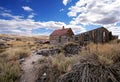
<point>27,8</point>
<point>101,12</point>
<point>65,2</point>
<point>2,9</point>
<point>61,10</point>
<point>20,26</point>
<point>115,30</point>
<point>77,29</point>
<point>11,26</point>
<point>31,15</point>
<point>4,14</point>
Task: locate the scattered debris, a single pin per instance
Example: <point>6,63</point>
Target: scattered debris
<point>21,60</point>
<point>91,70</point>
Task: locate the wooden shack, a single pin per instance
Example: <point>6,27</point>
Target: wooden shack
<point>61,36</point>
<point>99,35</point>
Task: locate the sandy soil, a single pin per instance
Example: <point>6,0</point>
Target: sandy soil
<point>29,72</point>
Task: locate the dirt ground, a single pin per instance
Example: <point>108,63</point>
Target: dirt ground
<point>29,72</point>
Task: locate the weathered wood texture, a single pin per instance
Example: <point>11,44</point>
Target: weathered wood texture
<point>61,36</point>
<point>99,35</point>
<point>90,69</point>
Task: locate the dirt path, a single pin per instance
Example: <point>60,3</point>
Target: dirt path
<point>28,68</point>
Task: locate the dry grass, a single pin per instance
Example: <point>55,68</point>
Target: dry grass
<point>63,63</point>
<point>9,64</point>
<point>9,71</point>
<point>55,66</point>
<point>17,48</point>
<point>46,46</point>
<point>16,53</point>
<point>105,52</point>
<point>16,43</point>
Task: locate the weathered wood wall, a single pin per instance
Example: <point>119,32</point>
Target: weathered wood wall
<point>100,35</point>
<point>62,39</point>
<point>59,40</point>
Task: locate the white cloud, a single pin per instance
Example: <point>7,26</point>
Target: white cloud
<point>101,12</point>
<point>77,29</point>
<point>61,10</point>
<point>4,14</point>
<point>2,9</point>
<point>19,26</point>
<point>115,30</point>
<point>27,8</point>
<point>31,15</point>
<point>28,25</point>
<point>10,26</point>
<point>65,2</point>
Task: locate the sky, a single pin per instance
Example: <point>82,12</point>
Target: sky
<point>42,17</point>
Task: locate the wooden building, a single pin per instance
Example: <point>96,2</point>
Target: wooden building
<point>61,36</point>
<point>99,35</point>
<point>64,35</point>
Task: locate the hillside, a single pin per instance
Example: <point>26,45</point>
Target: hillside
<point>23,55</point>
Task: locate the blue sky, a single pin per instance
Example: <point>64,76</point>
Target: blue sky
<point>42,17</point>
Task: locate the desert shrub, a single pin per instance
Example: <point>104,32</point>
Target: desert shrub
<point>46,46</point>
<point>64,63</point>
<point>16,53</point>
<point>55,66</point>
<point>89,69</point>
<point>2,50</point>
<point>105,52</point>
<point>9,64</point>
<point>96,62</point>
<point>22,53</point>
<point>9,72</point>
<point>106,56</point>
<point>116,41</point>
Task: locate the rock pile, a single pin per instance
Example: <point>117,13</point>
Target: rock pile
<point>68,49</point>
<point>48,52</point>
<point>71,49</point>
